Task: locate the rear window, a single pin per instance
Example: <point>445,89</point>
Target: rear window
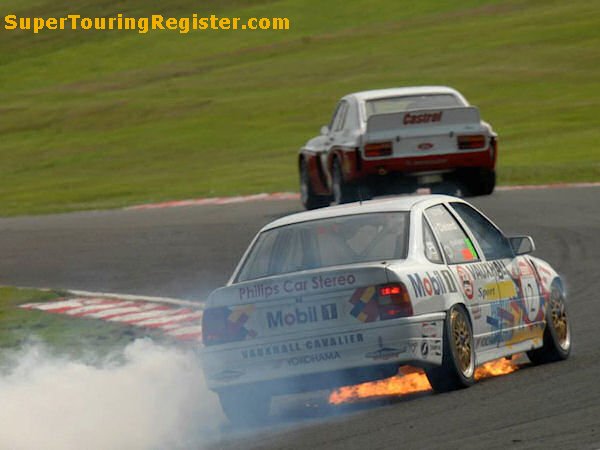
<point>327,242</point>
<point>411,102</point>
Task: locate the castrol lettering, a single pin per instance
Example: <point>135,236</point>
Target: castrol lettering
<point>413,119</point>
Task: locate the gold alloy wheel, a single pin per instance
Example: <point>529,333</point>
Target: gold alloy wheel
<point>461,334</point>
<point>560,323</point>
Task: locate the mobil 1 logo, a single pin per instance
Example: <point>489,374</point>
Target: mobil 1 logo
<point>300,316</point>
<point>435,282</point>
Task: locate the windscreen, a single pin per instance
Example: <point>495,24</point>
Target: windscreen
<point>327,242</point>
<point>411,102</point>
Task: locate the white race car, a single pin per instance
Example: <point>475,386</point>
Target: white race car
<point>347,294</point>
<point>395,140</point>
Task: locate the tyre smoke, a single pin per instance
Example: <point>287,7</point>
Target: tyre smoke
<point>146,397</point>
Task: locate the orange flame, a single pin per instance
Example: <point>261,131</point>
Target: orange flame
<point>411,380</point>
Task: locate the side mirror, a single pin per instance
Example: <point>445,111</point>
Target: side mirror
<point>324,130</point>
<point>522,245</point>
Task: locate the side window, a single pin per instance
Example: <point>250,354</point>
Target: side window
<point>340,116</point>
<point>456,245</point>
<point>351,122</point>
<point>432,251</point>
<point>493,243</point>
<point>336,112</point>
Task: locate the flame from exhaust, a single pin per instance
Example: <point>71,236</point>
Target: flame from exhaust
<point>410,381</point>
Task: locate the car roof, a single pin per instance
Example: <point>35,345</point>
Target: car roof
<point>397,92</point>
<point>400,203</point>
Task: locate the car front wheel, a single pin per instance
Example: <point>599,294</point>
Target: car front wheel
<point>458,360</point>
<point>557,334</point>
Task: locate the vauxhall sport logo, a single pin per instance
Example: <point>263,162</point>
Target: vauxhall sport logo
<point>299,316</point>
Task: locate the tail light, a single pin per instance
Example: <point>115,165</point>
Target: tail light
<point>218,329</point>
<point>471,142</point>
<point>394,301</point>
<point>378,149</point>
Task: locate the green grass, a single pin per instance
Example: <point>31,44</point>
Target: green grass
<point>59,333</point>
<point>100,120</point>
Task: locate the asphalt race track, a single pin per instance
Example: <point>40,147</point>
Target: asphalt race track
<point>187,251</point>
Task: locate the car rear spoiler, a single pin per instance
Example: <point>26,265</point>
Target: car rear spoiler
<point>408,120</point>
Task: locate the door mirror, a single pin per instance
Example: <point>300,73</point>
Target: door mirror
<point>324,130</point>
<point>522,245</point>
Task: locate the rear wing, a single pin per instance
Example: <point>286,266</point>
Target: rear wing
<point>407,120</point>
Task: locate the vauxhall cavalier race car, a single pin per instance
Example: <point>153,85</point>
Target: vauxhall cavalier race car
<point>399,138</point>
<point>350,293</point>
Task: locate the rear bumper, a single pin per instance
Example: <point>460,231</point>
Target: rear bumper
<point>413,340</point>
<point>416,164</point>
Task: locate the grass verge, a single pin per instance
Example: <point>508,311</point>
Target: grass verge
<point>59,333</point>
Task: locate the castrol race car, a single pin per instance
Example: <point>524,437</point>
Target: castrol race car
<point>350,293</point>
<point>396,140</point>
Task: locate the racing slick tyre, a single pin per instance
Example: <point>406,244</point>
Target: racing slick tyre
<point>245,406</point>
<point>479,182</point>
<point>342,191</point>
<point>309,199</point>
<point>458,360</point>
<point>557,334</point>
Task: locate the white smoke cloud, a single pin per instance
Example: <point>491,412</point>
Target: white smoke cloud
<point>148,397</point>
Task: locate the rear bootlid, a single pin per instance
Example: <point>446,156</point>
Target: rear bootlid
<point>426,131</point>
<point>301,302</point>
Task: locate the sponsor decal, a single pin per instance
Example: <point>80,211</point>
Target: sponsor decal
<point>436,282</point>
<point>524,268</point>
<point>466,282</point>
<point>385,353</point>
<point>301,316</point>
<point>425,146</point>
<point>286,348</point>
<point>429,329</point>
<point>436,347</point>
<point>488,292</point>
<point>311,359</point>
<point>490,340</point>
<point>532,291</point>
<point>486,270</point>
<point>296,286</point>
<point>412,119</point>
<point>469,253</point>
<point>510,336</point>
<point>506,289</point>
<point>364,303</point>
<point>413,345</point>
<point>236,323</point>
<point>496,291</point>
<point>424,349</point>
<point>510,324</point>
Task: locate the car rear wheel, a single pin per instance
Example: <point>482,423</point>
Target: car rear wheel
<point>245,406</point>
<point>342,191</point>
<point>458,360</point>
<point>479,182</point>
<point>309,199</point>
<point>557,335</point>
